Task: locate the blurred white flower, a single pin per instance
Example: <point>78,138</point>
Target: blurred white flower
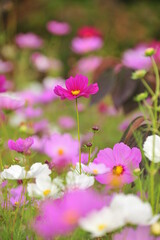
<point>133,210</point>
<point>148,148</point>
<point>98,223</point>
<point>76,180</point>
<point>16,172</point>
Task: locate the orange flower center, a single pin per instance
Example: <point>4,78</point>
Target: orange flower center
<point>75,92</point>
<point>95,171</point>
<point>71,217</point>
<point>117,170</point>
<point>60,152</point>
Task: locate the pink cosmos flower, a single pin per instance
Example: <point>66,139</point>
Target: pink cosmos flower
<point>58,28</point>
<point>10,102</point>
<point>121,161</point>
<point>76,87</point>
<point>2,83</point>
<point>43,63</point>
<point>135,234</point>
<point>28,40</point>
<point>95,169</point>
<point>156,45</point>
<point>88,31</point>
<point>30,112</point>
<point>21,145</point>
<point>85,45</point>
<point>88,64</point>
<point>135,58</point>
<point>5,66</point>
<point>66,122</point>
<point>17,196</point>
<point>61,216</point>
<point>62,149</point>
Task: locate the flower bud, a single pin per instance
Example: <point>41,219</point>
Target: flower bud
<point>89,144</point>
<point>95,129</point>
<point>139,74</point>
<point>155,229</point>
<point>141,97</point>
<point>149,52</point>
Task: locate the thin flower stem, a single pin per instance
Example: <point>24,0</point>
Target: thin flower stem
<point>147,87</point>
<point>78,135</point>
<point>89,155</point>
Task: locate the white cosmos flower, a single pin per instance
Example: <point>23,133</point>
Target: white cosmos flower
<point>98,223</point>
<point>133,210</point>
<point>76,180</point>
<point>148,148</point>
<point>16,172</point>
<point>43,188</point>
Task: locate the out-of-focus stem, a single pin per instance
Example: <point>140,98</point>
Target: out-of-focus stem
<point>78,135</point>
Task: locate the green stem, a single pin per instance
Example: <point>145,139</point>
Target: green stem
<point>78,135</point>
<point>147,87</point>
<point>89,155</point>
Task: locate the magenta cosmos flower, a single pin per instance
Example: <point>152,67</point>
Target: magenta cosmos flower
<point>61,216</point>
<point>121,162</point>
<point>21,145</point>
<point>58,28</point>
<point>76,87</point>
<point>2,83</point>
<point>28,40</point>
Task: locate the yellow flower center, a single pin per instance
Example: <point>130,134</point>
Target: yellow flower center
<point>60,152</point>
<point>46,192</point>
<point>16,203</point>
<point>95,171</point>
<point>118,170</point>
<point>101,227</point>
<point>75,92</point>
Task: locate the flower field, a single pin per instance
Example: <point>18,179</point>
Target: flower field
<point>79,120</point>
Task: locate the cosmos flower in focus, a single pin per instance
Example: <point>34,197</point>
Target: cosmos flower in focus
<point>58,28</point>
<point>121,162</point>
<point>76,87</point>
<point>28,40</point>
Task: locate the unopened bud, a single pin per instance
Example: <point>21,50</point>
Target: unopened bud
<point>141,97</point>
<point>149,52</point>
<point>89,144</point>
<point>155,229</point>
<point>139,74</point>
<point>95,129</point>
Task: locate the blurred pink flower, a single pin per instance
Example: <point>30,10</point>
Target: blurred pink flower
<point>61,149</point>
<point>135,58</point>
<point>156,45</point>
<point>30,112</point>
<point>121,161</point>
<point>10,102</point>
<point>5,66</point>
<point>76,87</point>
<point>43,63</point>
<point>58,28</point>
<point>88,64</point>
<point>20,145</point>
<point>66,122</point>
<point>28,40</point>
<point>135,234</point>
<point>61,216</point>
<point>2,83</point>
<point>17,197</point>
<point>85,45</point>
<point>89,31</point>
